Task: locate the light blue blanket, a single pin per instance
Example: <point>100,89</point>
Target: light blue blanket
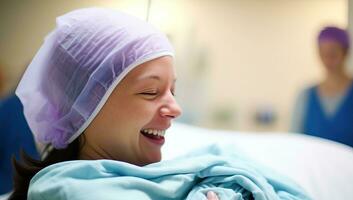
<point>215,168</point>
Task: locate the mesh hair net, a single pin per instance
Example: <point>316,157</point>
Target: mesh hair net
<point>76,69</point>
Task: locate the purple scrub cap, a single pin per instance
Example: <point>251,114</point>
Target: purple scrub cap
<point>335,34</point>
<point>77,68</point>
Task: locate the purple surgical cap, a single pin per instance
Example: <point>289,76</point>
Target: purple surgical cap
<point>77,68</point>
<point>335,34</point>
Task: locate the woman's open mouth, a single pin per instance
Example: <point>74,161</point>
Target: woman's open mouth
<point>154,136</point>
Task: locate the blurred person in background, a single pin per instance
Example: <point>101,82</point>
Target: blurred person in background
<point>326,109</point>
<point>15,136</point>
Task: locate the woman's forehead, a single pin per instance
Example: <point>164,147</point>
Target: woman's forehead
<point>158,69</point>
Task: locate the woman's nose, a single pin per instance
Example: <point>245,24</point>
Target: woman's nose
<point>171,108</point>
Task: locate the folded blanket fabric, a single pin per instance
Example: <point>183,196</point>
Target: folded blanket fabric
<point>229,174</point>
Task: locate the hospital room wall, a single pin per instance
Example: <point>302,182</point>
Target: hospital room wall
<point>233,56</point>
<point>250,55</point>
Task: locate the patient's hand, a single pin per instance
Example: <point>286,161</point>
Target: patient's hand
<point>211,196</point>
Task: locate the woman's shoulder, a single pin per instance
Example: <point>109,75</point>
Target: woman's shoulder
<point>64,177</point>
<point>304,93</point>
<point>77,168</point>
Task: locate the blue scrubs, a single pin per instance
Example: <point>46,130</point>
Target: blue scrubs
<point>14,135</point>
<point>337,127</point>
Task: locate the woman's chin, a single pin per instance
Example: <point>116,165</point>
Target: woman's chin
<point>152,157</point>
<point>155,157</point>
<point>332,68</point>
<point>150,150</point>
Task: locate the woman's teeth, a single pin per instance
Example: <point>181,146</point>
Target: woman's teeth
<point>154,132</point>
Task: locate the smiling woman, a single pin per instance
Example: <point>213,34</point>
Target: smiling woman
<point>100,87</point>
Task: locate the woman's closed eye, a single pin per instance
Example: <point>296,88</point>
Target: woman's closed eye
<point>153,93</point>
<point>149,93</point>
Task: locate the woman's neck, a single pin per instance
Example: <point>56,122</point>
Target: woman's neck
<point>335,84</point>
<point>338,79</point>
<point>92,152</point>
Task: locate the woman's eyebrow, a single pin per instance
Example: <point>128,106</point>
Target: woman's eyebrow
<point>155,77</point>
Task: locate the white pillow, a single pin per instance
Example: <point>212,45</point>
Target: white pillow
<point>323,168</point>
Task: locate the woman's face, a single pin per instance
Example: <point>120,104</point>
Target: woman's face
<point>332,55</point>
<point>131,124</point>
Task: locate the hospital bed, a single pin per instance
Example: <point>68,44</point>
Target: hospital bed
<point>323,168</point>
